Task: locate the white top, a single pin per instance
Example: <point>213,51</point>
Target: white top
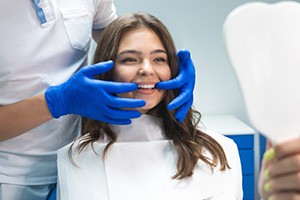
<point>140,166</point>
<point>34,56</point>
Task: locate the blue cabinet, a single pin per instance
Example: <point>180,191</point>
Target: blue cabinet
<point>244,137</point>
<point>245,145</point>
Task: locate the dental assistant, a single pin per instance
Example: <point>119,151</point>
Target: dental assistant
<point>45,86</point>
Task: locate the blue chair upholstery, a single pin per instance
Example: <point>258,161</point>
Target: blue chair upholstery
<point>52,195</point>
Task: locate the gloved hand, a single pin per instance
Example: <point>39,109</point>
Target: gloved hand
<point>185,81</point>
<point>83,95</point>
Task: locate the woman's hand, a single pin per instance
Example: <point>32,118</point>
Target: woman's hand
<point>280,173</point>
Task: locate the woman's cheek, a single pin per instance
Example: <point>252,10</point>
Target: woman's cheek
<point>123,74</point>
<point>164,75</point>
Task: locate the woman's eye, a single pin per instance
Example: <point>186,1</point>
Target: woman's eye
<point>128,60</point>
<point>160,60</point>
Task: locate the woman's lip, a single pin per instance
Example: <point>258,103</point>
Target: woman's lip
<point>146,88</point>
<point>147,91</point>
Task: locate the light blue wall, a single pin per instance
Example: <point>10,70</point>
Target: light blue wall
<point>197,26</point>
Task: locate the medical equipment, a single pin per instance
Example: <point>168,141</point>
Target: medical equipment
<point>263,44</point>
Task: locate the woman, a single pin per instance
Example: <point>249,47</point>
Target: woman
<point>155,157</point>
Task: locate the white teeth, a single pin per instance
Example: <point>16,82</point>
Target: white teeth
<point>147,86</point>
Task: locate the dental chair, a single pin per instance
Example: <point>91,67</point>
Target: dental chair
<point>263,45</point>
<point>52,195</point>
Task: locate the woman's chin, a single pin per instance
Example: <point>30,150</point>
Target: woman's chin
<point>146,108</point>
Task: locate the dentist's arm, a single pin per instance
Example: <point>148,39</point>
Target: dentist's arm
<point>81,95</point>
<point>185,81</point>
<point>22,116</point>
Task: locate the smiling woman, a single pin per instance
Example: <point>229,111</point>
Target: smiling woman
<point>142,59</point>
<point>155,157</point>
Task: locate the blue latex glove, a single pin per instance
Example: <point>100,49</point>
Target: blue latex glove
<point>83,95</point>
<point>185,81</point>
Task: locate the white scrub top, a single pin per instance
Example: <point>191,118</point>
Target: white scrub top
<point>140,165</point>
<point>34,56</point>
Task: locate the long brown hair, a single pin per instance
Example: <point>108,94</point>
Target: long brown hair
<point>188,140</point>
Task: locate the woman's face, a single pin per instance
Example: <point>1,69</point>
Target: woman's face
<point>142,59</point>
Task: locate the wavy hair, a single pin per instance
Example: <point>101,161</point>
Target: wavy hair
<point>188,140</point>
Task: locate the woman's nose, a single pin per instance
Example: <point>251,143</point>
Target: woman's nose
<point>146,68</point>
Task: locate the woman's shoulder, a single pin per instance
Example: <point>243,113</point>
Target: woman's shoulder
<point>224,141</point>
<point>234,174</point>
<point>229,146</point>
<point>76,150</point>
<point>74,157</point>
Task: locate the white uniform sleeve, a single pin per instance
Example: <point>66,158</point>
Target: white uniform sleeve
<point>105,12</point>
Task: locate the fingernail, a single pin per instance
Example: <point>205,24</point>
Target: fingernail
<point>270,198</point>
<point>270,154</point>
<point>267,187</point>
<point>267,174</point>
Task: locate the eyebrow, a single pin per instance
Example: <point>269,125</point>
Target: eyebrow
<point>139,52</point>
<point>158,51</point>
